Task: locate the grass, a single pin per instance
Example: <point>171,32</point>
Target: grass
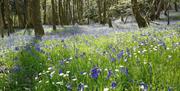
<point>132,61</point>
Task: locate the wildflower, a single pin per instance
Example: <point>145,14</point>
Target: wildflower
<point>94,73</point>
<point>169,89</point>
<point>124,70</point>
<point>113,84</point>
<point>16,69</point>
<point>83,73</point>
<point>109,74</point>
<point>120,54</point>
<point>60,71</point>
<point>67,72</point>
<point>106,89</point>
<point>60,83</point>
<point>50,68</point>
<point>81,87</point>
<point>51,74</point>
<point>17,48</point>
<point>143,86</point>
<point>74,79</point>
<point>69,87</point>
<point>113,59</point>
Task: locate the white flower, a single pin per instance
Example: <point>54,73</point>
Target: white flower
<point>106,69</point>
<point>117,70</point>
<point>85,86</point>
<point>84,73</point>
<point>60,83</point>
<point>74,79</point>
<point>61,74</point>
<point>106,89</point>
<point>67,72</point>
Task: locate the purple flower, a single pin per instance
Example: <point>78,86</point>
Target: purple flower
<point>113,84</point>
<point>17,48</point>
<point>69,87</point>
<point>169,89</point>
<point>113,50</point>
<point>113,59</point>
<point>161,43</point>
<point>143,86</point>
<point>60,71</point>
<point>95,73</point>
<point>120,54</point>
<point>109,74</point>
<point>81,87</point>
<point>16,69</point>
<point>124,70</point>
<point>128,52</point>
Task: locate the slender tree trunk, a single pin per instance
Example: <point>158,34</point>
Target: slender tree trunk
<point>99,11</point>
<point>36,17</point>
<point>159,8</point>
<point>8,17</point>
<point>176,6</point>
<point>20,14</point>
<point>1,21</point>
<point>104,12</point>
<point>44,13</point>
<point>142,22</point>
<point>54,15</point>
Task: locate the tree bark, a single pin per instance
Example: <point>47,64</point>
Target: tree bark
<point>54,15</point>
<point>44,13</point>
<point>176,6</point>
<point>36,17</point>
<point>19,13</point>
<point>99,11</point>
<point>142,22</point>
<point>1,21</point>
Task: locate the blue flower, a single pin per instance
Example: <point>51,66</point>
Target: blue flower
<point>113,84</point>
<point>69,87</point>
<point>17,48</point>
<point>124,70</point>
<point>143,86</point>
<point>109,74</point>
<point>81,87</point>
<point>169,89</point>
<point>113,59</point>
<point>95,73</point>
<point>16,69</point>
<point>120,54</point>
<point>60,71</point>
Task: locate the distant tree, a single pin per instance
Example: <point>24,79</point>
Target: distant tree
<point>7,15</point>
<point>44,11</point>
<point>1,21</point>
<point>141,21</point>
<point>54,15</point>
<point>36,17</point>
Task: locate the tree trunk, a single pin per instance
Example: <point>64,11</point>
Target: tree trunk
<point>44,13</point>
<point>176,6</point>
<point>141,21</point>
<point>36,17</point>
<point>99,11</point>
<point>104,12</point>
<point>8,19</point>
<point>54,15</point>
<point>159,8</point>
<point>19,13</point>
<point>1,21</point>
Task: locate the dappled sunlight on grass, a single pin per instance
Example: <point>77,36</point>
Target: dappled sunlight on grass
<point>118,60</point>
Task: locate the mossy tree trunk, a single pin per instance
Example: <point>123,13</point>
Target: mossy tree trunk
<point>36,18</point>
<point>1,22</point>
<point>141,21</point>
<point>54,15</point>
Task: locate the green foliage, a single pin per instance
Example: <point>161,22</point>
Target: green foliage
<point>151,57</point>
